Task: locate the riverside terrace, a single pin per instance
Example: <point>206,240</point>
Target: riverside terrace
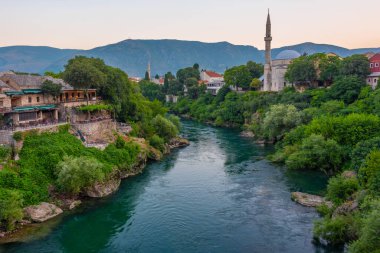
<point>23,104</point>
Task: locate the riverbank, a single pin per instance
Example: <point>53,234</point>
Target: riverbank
<point>59,203</point>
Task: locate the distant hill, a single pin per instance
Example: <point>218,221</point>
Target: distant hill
<point>165,55</point>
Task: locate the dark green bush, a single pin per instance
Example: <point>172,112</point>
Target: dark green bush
<point>157,142</point>
<point>316,153</point>
<point>17,136</point>
<point>369,174</point>
<point>10,208</point>
<point>76,173</point>
<point>337,230</point>
<point>362,150</point>
<point>5,152</point>
<point>340,189</point>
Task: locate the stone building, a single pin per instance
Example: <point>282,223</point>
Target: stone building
<point>274,70</point>
<point>23,103</point>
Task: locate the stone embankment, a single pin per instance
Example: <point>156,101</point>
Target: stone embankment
<point>42,212</point>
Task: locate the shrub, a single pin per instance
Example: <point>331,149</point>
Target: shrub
<point>157,142</point>
<point>369,174</point>
<point>5,152</point>
<point>10,208</point>
<point>362,150</point>
<point>369,239</point>
<point>175,120</point>
<point>76,173</point>
<point>346,130</point>
<point>317,153</point>
<point>337,230</point>
<point>64,128</point>
<point>279,120</point>
<point>346,89</point>
<point>340,189</point>
<point>17,136</point>
<point>94,108</point>
<point>164,128</point>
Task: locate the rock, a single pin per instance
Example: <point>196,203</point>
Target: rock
<point>103,189</point>
<point>178,143</point>
<point>74,204</point>
<point>349,174</point>
<point>247,134</point>
<point>2,234</point>
<point>346,208</point>
<point>42,212</point>
<point>309,200</point>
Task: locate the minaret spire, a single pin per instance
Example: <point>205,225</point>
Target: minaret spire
<point>268,56</point>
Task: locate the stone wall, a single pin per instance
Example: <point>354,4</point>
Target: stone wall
<point>97,132</point>
<point>6,137</point>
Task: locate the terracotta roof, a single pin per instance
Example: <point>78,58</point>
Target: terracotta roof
<point>213,74</point>
<point>376,57</point>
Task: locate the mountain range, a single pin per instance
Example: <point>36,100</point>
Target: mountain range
<point>133,56</point>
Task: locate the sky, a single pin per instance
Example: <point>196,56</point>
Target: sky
<point>85,24</point>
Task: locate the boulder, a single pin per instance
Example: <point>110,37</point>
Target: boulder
<point>349,174</point>
<point>103,189</point>
<point>346,208</point>
<point>247,134</point>
<point>42,212</point>
<point>178,143</point>
<point>309,200</point>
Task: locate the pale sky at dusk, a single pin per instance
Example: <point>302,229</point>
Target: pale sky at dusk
<point>84,24</point>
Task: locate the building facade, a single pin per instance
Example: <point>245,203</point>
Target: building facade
<point>374,65</point>
<point>23,103</point>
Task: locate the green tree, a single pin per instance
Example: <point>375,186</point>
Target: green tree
<point>147,77</point>
<point>84,73</point>
<point>52,74</point>
<point>302,70</point>
<point>355,65</point>
<point>280,119</point>
<point>76,173</point>
<point>51,88</point>
<point>316,153</point>
<point>164,128</point>
<point>369,174</point>
<point>256,69</point>
<point>151,90</point>
<point>346,89</point>
<point>255,84</point>
<point>329,68</point>
<point>186,73</point>
<point>238,76</point>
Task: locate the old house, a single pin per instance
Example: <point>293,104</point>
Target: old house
<point>22,102</point>
<point>374,65</point>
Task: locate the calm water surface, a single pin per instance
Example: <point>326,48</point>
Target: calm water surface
<point>217,195</point>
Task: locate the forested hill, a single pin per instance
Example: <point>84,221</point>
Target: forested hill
<point>165,55</point>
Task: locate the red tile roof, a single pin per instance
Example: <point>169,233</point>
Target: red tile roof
<point>376,57</point>
<point>213,74</point>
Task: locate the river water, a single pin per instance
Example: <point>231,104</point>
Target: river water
<point>217,195</point>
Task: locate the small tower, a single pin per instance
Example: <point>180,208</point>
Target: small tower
<point>149,72</point>
<point>268,57</point>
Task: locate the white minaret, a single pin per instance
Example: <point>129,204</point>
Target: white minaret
<point>268,57</point>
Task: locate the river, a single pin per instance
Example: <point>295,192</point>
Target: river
<point>217,195</point>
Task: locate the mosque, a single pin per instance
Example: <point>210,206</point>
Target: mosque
<point>274,70</point>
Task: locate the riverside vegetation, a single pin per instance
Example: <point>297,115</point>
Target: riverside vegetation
<point>54,166</point>
<point>333,126</point>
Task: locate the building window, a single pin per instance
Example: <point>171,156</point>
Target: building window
<point>371,65</point>
<point>38,99</point>
<point>376,64</point>
<point>72,95</point>
<point>30,99</point>
<point>26,116</point>
<point>375,81</point>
